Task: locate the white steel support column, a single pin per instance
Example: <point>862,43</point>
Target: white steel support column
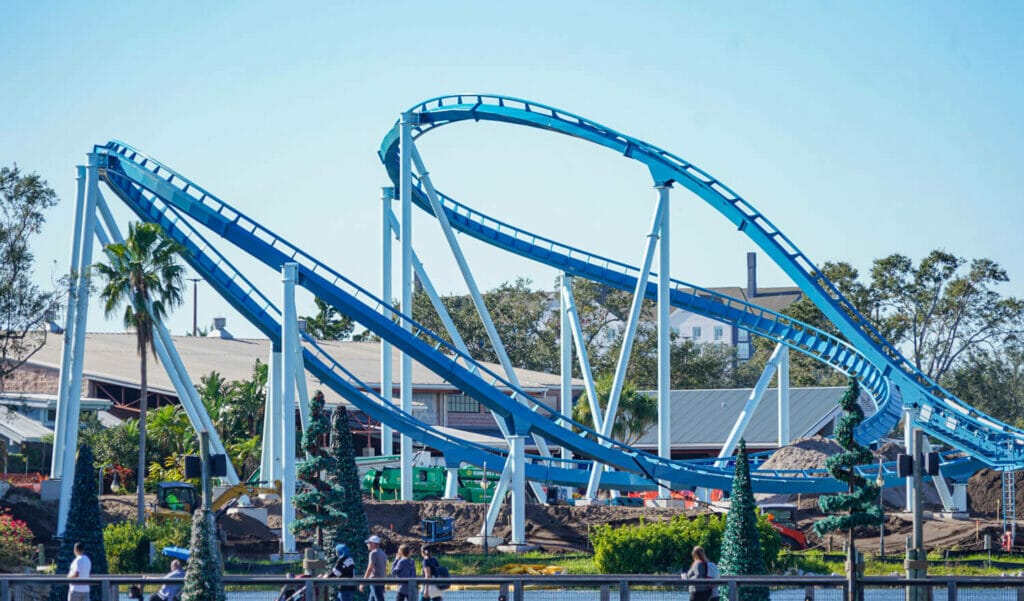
<point>451,484</point>
<point>569,308</point>
<point>517,455</point>
<point>270,462</point>
<point>169,357</point>
<point>289,322</point>
<point>751,405</point>
<point>500,488</point>
<point>81,299</point>
<point>60,425</point>
<point>387,195</point>
<point>474,291</point>
<point>664,332</point>
<point>782,382</point>
<point>467,276</point>
<point>405,376</point>
<point>605,425</point>
<point>565,357</point>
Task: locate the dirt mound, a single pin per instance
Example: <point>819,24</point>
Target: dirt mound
<point>985,492</point>
<point>803,454</point>
<point>553,528</point>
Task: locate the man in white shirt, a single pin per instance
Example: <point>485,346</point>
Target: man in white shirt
<point>81,567</point>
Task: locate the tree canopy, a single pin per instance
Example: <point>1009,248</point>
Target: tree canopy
<point>23,305</point>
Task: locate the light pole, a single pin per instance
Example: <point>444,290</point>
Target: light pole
<point>880,481</point>
<point>195,303</point>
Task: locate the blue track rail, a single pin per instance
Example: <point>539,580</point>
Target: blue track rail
<point>158,194</point>
<point>891,380</point>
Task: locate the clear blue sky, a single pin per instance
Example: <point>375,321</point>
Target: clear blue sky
<point>860,129</point>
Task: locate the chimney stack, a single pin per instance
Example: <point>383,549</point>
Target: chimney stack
<point>751,275</point>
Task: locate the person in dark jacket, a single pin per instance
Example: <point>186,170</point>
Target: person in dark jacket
<point>699,569</point>
<point>404,567</point>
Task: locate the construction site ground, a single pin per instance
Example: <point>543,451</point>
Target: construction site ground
<point>566,528</point>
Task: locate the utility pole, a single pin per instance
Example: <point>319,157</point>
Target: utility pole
<point>195,304</point>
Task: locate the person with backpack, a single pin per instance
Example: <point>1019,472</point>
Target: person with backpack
<point>432,568</point>
<point>403,567</point>
<point>699,569</point>
<point>344,567</point>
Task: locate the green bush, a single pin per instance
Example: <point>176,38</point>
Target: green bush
<point>667,546</point>
<point>127,548</point>
<point>127,544</point>
<point>171,533</point>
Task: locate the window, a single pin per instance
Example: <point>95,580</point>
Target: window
<point>695,333</point>
<point>719,332</point>
<point>460,403</point>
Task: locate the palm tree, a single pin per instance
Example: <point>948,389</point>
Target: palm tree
<point>143,275</point>
<point>637,411</point>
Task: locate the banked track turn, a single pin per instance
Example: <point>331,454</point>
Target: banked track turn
<point>891,380</point>
<point>158,194</point>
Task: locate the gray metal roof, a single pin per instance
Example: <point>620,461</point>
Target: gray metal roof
<point>703,418</point>
<point>112,358</point>
<point>19,429</point>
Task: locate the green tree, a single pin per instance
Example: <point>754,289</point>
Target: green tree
<point>942,311</point>
<point>328,324</point>
<point>117,446</point>
<point>84,525</point>
<point>345,478</point>
<point>203,578</point>
<point>741,544</point>
<point>23,305</point>
<point>993,382</point>
<point>860,501</point>
<point>637,411</point>
<point>170,431</point>
<point>319,503</point>
<point>517,313</point>
<point>143,275</point>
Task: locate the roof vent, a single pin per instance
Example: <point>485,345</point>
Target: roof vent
<point>219,330</point>
<point>50,323</point>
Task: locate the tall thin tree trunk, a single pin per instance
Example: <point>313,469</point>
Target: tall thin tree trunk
<point>140,477</point>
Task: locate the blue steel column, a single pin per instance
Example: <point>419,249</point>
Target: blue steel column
<point>664,330</point>
<point>405,376</point>
<point>387,195</point>
<point>60,425</point>
<point>81,300</point>
<point>289,321</point>
<point>565,359</point>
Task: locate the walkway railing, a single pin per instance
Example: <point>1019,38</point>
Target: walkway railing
<point>554,587</point>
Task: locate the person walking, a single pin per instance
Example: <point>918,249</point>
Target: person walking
<point>404,567</point>
<point>431,567</point>
<point>344,567</point>
<point>168,591</point>
<point>376,567</point>
<point>698,569</point>
<point>81,567</point>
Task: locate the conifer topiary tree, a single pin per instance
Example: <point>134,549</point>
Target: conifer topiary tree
<point>345,476</point>
<point>321,502</point>
<point>84,525</point>
<point>860,503</point>
<point>741,543</point>
<point>203,580</point>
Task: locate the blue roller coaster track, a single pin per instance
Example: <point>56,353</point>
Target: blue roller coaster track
<point>891,380</point>
<point>158,194</point>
